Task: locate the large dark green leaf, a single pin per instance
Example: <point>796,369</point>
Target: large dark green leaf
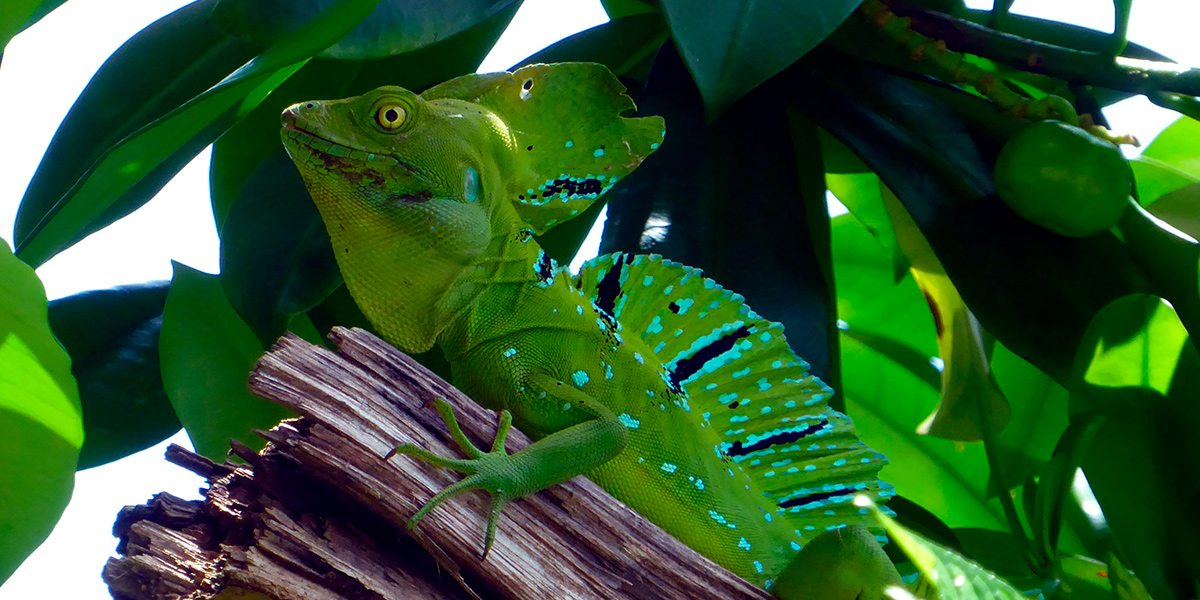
<point>1034,290</point>
<point>272,272</point>
<point>55,222</point>
<point>1138,368</point>
<point>394,27</point>
<point>733,46</point>
<point>41,429</point>
<point>206,353</point>
<point>163,66</point>
<point>112,337</point>
<point>743,199</point>
<point>620,44</point>
<point>275,254</point>
<point>13,18</point>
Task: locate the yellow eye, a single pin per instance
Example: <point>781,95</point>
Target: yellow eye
<point>391,116</point>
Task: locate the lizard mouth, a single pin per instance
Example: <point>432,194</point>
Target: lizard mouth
<point>351,162</point>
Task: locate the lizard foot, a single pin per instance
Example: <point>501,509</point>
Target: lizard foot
<point>493,471</point>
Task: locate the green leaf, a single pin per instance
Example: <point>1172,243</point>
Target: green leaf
<point>275,253</point>
<point>1137,367</point>
<point>732,47</point>
<point>948,573</point>
<point>617,9</point>
<point>1054,486</point>
<point>184,129</point>
<point>394,27</point>
<point>888,401</point>
<point>1181,209</point>
<point>1177,146</point>
<point>163,66</point>
<point>41,428</point>
<point>1037,420</point>
<point>112,337</point>
<point>1155,179</point>
<point>750,183</point>
<point>941,170</point>
<point>898,352</point>
<point>621,44</point>
<point>207,353</point>
<point>270,272</point>
<point>14,17</point>
<point>862,196</point>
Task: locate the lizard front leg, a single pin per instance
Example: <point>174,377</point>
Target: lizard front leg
<point>551,460</point>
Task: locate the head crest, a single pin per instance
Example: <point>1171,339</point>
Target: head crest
<point>567,121</point>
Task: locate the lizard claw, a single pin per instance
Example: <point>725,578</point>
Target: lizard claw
<point>484,470</point>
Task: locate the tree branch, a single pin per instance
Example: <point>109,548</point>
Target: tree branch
<point>1139,76</point>
<point>319,514</point>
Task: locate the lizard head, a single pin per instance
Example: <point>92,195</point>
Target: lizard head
<point>404,186</point>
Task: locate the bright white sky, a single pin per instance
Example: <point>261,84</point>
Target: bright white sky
<point>46,67</point>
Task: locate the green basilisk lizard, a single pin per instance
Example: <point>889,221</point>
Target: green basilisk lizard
<point>654,381</point>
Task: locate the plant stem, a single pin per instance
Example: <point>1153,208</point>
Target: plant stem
<point>1075,66</point>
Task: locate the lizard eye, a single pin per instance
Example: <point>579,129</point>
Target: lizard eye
<point>390,116</point>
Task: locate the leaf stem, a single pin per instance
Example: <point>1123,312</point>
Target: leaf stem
<point>1076,66</point>
<point>1039,564</point>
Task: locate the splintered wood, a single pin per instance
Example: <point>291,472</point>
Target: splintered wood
<point>318,514</point>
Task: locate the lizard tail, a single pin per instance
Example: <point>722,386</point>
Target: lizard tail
<point>737,374</point>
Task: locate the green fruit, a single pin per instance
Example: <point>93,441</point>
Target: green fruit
<point>1064,179</point>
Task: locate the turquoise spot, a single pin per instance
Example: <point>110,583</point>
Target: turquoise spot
<point>810,467</point>
<point>655,326</point>
<point>766,336</point>
<point>763,385</point>
<point>647,280</point>
<point>660,345</point>
<point>727,398</point>
<point>569,144</point>
<point>768,517</point>
<point>743,544</point>
<point>741,373</point>
<point>678,332</point>
<point>567,406</point>
<point>600,322</point>
<point>667,290</point>
<point>684,304</point>
<point>608,372</point>
<point>795,546</point>
<point>738,419</point>
<point>511,352</point>
<point>580,378</point>
<point>865,461</point>
<point>638,357</point>
<point>758,566</point>
<point>700,484</point>
<point>629,421</point>
<point>710,387</point>
<point>669,468</point>
<point>777,364</point>
<point>654,146</point>
<point>790,404</point>
<point>579,309</point>
<point>598,153</point>
<point>716,516</point>
<point>839,462</point>
<point>766,409</point>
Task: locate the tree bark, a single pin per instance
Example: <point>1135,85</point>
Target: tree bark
<point>319,513</point>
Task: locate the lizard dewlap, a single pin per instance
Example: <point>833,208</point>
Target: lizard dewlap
<point>648,377</point>
<point>1064,179</point>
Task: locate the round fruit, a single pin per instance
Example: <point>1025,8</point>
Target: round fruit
<point>1064,179</point>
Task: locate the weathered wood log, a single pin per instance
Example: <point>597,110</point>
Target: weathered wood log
<point>319,514</point>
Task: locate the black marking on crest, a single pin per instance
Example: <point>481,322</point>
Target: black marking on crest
<point>674,306</point>
<point>572,188</point>
<point>737,449</point>
<point>813,497</point>
<point>688,366</point>
<point>608,289</point>
<point>545,266</point>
